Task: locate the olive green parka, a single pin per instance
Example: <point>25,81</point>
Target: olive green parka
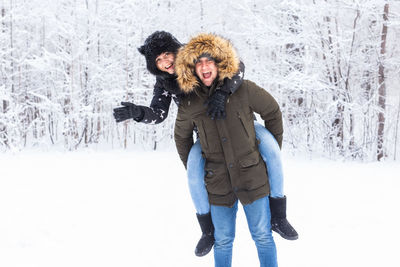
<point>234,167</point>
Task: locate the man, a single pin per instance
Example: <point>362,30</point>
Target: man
<point>234,168</point>
<point>159,50</point>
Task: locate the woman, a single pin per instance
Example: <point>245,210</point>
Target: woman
<point>159,50</point>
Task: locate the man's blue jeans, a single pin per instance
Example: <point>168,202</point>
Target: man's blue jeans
<point>259,221</point>
<point>270,152</point>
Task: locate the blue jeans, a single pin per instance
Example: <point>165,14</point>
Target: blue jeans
<point>196,173</point>
<point>259,221</point>
<point>270,152</point>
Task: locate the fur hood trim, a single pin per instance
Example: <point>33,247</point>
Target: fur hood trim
<point>217,47</point>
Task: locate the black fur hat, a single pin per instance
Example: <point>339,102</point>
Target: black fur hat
<point>157,43</point>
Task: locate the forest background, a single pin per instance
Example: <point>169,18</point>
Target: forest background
<point>333,66</point>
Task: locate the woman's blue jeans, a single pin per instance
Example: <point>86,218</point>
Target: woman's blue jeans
<point>270,152</point>
<point>259,221</point>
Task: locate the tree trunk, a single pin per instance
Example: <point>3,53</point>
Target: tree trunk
<point>347,87</point>
<point>382,87</point>
<point>201,15</point>
<point>337,124</point>
<point>86,77</point>
<point>3,127</point>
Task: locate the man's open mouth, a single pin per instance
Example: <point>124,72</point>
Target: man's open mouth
<point>206,75</point>
<point>169,66</point>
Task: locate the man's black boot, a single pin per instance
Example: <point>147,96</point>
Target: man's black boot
<point>206,241</point>
<point>279,223</point>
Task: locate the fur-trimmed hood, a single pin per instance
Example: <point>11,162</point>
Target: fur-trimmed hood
<point>217,47</point>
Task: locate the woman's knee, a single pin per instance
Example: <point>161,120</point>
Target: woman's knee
<point>268,146</point>
<point>264,136</point>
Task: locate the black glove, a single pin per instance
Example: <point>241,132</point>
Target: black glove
<point>216,104</point>
<point>128,111</point>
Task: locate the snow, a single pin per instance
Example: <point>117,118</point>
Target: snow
<point>132,208</point>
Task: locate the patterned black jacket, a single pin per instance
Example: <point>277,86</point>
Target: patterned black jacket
<point>166,89</point>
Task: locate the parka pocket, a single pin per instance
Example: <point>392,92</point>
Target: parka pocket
<point>243,124</point>
<point>253,172</point>
<point>216,179</point>
<point>208,133</point>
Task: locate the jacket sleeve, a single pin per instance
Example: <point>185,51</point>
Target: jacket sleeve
<point>159,107</point>
<point>231,85</point>
<point>183,134</point>
<point>265,104</point>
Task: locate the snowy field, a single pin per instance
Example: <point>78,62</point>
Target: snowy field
<point>117,209</point>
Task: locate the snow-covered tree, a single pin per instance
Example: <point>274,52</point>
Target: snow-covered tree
<point>333,65</point>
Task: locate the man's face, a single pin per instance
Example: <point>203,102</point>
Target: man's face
<point>206,70</point>
<point>165,62</point>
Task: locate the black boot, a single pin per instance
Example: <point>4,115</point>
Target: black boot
<point>206,241</point>
<point>279,223</point>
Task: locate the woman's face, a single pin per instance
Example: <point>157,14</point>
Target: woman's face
<point>165,62</point>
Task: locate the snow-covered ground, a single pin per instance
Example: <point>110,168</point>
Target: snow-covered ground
<point>132,208</point>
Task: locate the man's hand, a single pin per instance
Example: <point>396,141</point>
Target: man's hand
<point>216,104</point>
<point>128,111</point>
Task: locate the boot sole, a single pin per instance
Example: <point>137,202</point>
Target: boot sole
<point>205,252</point>
<point>285,236</point>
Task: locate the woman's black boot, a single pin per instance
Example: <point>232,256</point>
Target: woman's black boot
<point>206,241</point>
<point>279,223</point>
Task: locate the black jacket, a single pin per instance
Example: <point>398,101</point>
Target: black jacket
<point>166,88</point>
